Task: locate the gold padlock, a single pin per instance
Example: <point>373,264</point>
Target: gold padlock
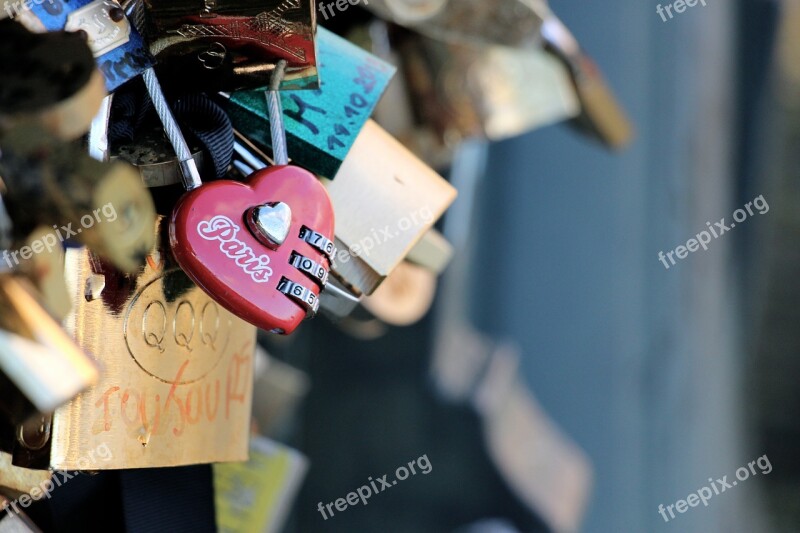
<point>177,369</point>
<point>398,199</point>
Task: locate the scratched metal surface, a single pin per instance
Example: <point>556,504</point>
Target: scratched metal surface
<point>176,378</point>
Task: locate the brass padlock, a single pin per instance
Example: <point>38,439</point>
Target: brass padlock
<point>494,92</point>
<point>176,383</point>
<point>399,199</point>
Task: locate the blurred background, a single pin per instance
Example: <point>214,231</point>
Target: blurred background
<point>631,384</point>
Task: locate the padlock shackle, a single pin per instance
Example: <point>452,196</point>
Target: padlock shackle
<point>188,166</point>
<point>277,128</point>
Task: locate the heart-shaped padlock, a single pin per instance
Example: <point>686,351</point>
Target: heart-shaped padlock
<point>262,249</point>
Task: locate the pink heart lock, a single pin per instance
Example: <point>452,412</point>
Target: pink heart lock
<point>261,249</point>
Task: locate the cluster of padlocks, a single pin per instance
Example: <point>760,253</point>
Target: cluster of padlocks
<point>177,174</point>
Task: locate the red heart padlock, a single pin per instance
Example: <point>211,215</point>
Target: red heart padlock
<point>231,239</point>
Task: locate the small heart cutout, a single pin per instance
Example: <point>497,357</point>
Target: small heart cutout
<point>270,223</point>
<point>212,238</point>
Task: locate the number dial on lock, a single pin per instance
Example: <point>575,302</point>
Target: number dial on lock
<point>217,247</point>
